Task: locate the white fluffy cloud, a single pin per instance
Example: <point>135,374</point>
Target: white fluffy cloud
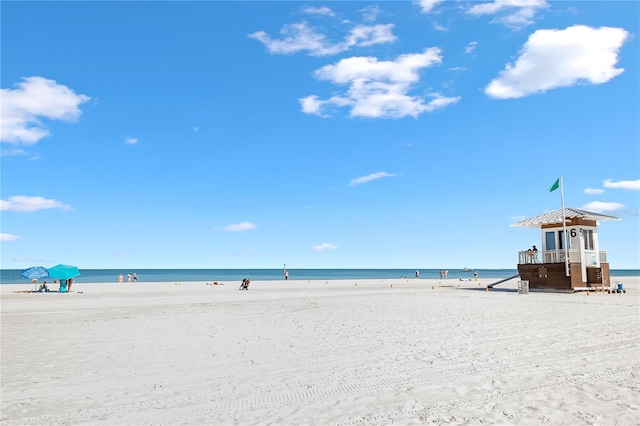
<point>237,227</point>
<point>560,58</point>
<point>32,99</point>
<point>633,185</point>
<point>323,247</point>
<point>378,89</point>
<point>322,10</point>
<point>602,206</point>
<point>369,178</point>
<point>301,37</point>
<point>8,237</point>
<point>427,6</point>
<point>512,13</point>
<point>130,141</point>
<point>26,204</point>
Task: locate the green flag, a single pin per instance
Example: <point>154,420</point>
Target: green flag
<point>555,186</point>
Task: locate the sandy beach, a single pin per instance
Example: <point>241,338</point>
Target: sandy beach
<point>341,352</point>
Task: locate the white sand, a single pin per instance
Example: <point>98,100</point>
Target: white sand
<point>320,353</point>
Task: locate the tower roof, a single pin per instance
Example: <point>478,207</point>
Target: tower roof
<point>556,217</point>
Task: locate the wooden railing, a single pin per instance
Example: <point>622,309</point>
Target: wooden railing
<point>528,256</point>
<point>557,256</point>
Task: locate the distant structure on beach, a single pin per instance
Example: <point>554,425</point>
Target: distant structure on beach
<point>571,258</point>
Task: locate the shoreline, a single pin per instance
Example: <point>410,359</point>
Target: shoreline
<point>196,275</point>
<point>97,276</point>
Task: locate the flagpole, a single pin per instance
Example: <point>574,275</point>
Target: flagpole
<point>564,231</point>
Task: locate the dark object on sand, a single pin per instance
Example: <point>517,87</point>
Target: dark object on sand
<point>245,284</point>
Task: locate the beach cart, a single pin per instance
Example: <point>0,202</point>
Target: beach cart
<point>619,288</point>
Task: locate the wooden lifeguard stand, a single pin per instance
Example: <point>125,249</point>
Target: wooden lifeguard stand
<point>569,258</point>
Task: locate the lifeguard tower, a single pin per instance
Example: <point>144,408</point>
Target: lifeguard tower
<point>569,258</point>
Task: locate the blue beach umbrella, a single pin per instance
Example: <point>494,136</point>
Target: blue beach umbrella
<point>63,272</point>
<point>36,272</point>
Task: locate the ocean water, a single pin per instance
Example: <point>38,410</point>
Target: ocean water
<point>12,276</point>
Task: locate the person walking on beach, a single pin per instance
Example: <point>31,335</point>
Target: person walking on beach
<point>120,278</point>
<point>129,277</point>
<point>475,275</point>
<point>417,274</point>
<point>286,275</point>
<point>446,273</point>
<point>441,273</point>
<point>135,277</point>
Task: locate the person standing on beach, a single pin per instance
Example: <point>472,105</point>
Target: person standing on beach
<point>441,273</point>
<point>286,275</point>
<point>135,277</point>
<point>245,284</point>
<point>417,274</point>
<point>120,278</point>
<point>69,285</point>
<point>129,277</point>
<point>446,273</point>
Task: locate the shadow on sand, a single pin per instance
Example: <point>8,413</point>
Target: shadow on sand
<point>491,290</point>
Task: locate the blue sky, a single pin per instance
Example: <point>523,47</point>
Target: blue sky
<point>316,134</point>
